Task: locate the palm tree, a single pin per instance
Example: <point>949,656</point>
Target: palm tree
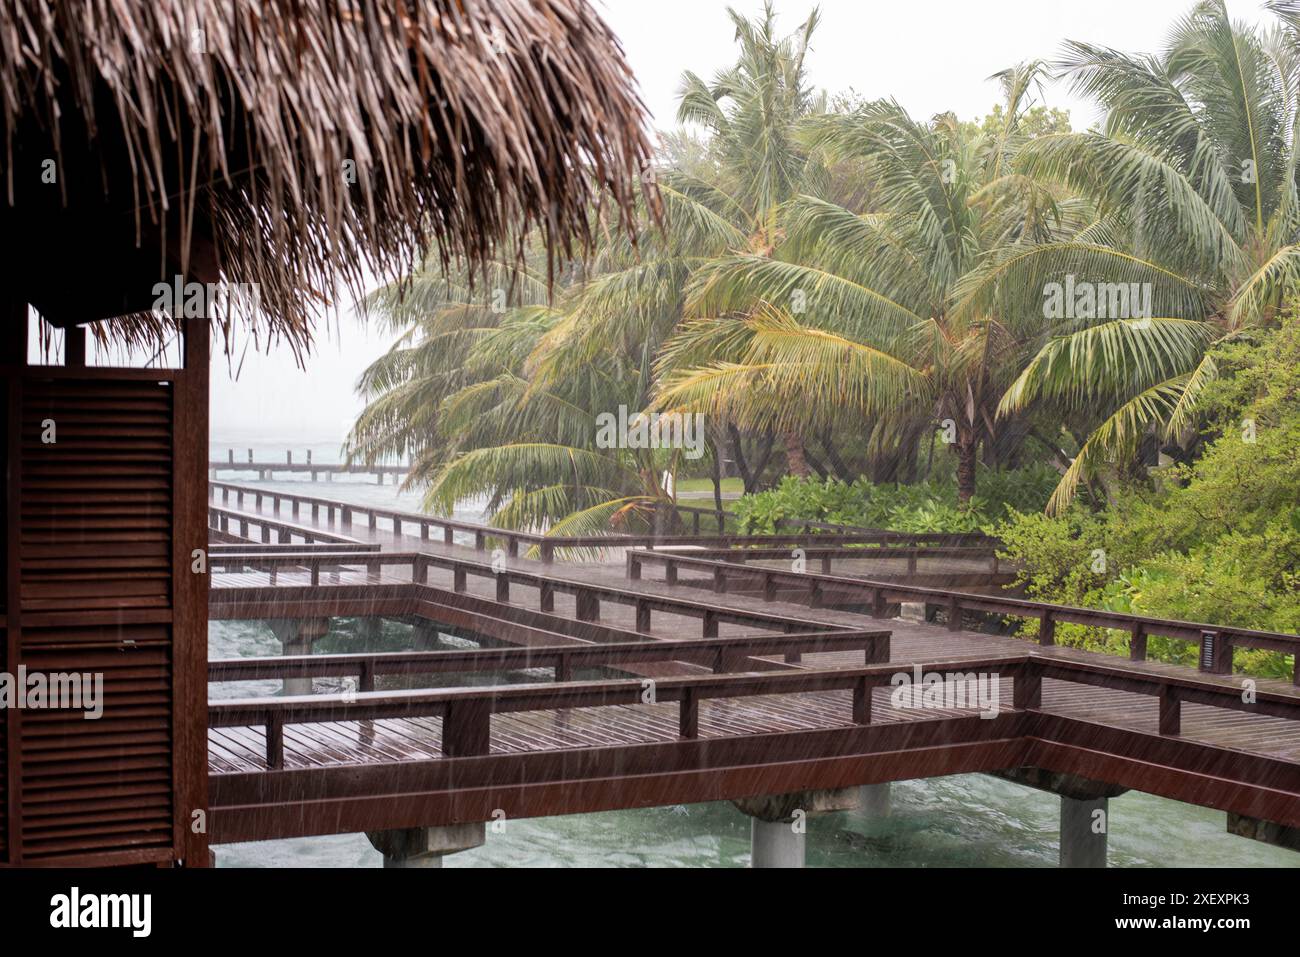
<point>438,320</point>
<point>456,395</point>
<point>721,203</point>
<point>519,429</point>
<point>852,313</point>
<point>1194,180</point>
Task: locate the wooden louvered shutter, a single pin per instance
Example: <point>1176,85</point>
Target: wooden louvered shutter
<point>103,526</point>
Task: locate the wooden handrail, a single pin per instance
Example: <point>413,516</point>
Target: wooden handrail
<point>546,545</point>
<point>467,712</point>
<point>827,554</point>
<point>588,596</point>
<point>721,654</point>
<point>1216,641</point>
<point>291,548</point>
<point>221,519</point>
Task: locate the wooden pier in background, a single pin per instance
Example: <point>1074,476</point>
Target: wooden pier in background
<point>267,469</point>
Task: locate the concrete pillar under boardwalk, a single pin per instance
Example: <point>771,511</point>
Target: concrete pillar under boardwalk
<point>296,638</point>
<point>777,829</point>
<point>1083,831</point>
<point>426,846</point>
<point>1268,832</point>
<point>775,844</point>
<point>874,800</point>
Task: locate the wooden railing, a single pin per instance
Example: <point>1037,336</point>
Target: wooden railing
<point>292,548</point>
<point>587,596</point>
<point>826,556</point>
<point>720,654</point>
<point>1216,642</point>
<point>1172,690</point>
<point>698,516</point>
<point>236,523</point>
<point>431,527</point>
<point>467,712</point>
<point>834,530</point>
<point>889,536</point>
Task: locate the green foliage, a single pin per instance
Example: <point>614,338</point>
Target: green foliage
<point>924,507</point>
<point>1217,542</point>
<point>1194,181</point>
<point>1038,120</point>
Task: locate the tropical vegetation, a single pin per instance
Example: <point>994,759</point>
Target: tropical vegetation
<point>922,323</point>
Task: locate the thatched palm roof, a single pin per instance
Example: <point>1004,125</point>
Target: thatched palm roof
<point>284,142</point>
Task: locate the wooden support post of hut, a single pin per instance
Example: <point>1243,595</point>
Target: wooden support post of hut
<point>154,196</point>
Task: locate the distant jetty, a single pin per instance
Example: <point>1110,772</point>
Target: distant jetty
<point>267,469</point>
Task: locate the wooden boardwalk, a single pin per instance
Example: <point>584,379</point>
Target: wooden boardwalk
<point>300,765</point>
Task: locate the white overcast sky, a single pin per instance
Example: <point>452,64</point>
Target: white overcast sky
<point>931,56</point>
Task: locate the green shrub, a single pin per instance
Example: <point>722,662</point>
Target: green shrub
<point>1218,541</point>
<point>923,507</point>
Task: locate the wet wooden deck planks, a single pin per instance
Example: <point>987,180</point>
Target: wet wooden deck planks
<point>344,743</point>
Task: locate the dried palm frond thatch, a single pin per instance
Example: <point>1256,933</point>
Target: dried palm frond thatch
<point>296,143</point>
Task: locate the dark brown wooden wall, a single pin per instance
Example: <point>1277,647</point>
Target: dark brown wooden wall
<point>101,525</point>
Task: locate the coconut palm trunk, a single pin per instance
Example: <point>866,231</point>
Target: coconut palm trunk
<point>796,460</point>
<point>967,451</point>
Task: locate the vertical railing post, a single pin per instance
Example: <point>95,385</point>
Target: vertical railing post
<point>275,741</point>
<point>688,720</point>
<point>1046,629</point>
<point>1171,711</point>
<point>563,668</point>
<point>1137,643</point>
<point>1027,688</point>
<point>587,606</point>
<point>467,728</point>
<point>861,701</point>
<point>878,604</point>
